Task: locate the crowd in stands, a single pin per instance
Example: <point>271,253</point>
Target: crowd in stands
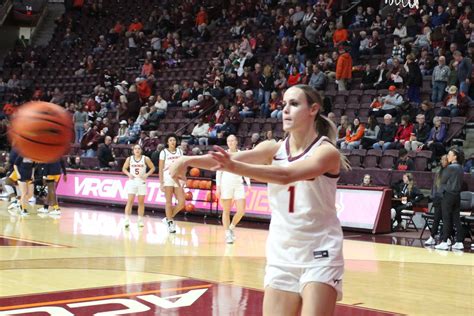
<point>392,79</point>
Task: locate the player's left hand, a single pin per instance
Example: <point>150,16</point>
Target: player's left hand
<point>223,159</point>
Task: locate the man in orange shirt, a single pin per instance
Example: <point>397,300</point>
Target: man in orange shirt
<point>340,35</point>
<point>343,69</point>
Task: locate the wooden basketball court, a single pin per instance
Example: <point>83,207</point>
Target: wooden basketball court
<point>84,262</point>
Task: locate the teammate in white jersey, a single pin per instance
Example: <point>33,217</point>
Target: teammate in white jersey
<point>304,246</point>
<point>168,156</point>
<point>230,188</point>
<point>135,168</point>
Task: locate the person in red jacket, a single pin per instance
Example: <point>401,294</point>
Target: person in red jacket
<point>143,89</point>
<point>354,135</point>
<point>343,69</point>
<point>201,18</point>
<point>340,35</point>
<point>404,131</point>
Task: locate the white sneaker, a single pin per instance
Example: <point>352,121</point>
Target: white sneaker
<point>442,246</point>
<point>395,224</point>
<point>24,213</point>
<point>458,246</point>
<point>126,223</point>
<point>42,210</point>
<point>449,242</point>
<point>228,237</point>
<point>14,204</point>
<point>393,213</point>
<point>430,242</point>
<point>140,223</point>
<point>55,212</point>
<point>233,234</point>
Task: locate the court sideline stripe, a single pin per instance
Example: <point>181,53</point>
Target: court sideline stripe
<point>95,298</point>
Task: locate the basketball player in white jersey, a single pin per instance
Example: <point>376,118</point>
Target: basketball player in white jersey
<point>305,264</point>
<point>230,188</point>
<point>168,156</point>
<point>135,168</point>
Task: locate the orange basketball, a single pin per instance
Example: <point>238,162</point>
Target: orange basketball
<point>188,196</point>
<point>203,184</point>
<point>189,207</point>
<point>208,185</point>
<point>208,197</point>
<point>189,183</point>
<point>194,172</point>
<point>41,131</point>
<point>195,184</point>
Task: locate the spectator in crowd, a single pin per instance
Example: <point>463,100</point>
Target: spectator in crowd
<point>369,78</point>
<point>423,40</point>
<point>276,107</point>
<point>409,195</point>
<point>382,74</point>
<point>435,141</point>
<point>75,162</point>
<point>90,140</point>
<point>403,133</point>
<point>343,69</point>
<point>105,155</point>
<point>390,103</point>
<point>398,51</point>
<point>79,118</point>
<point>132,133</point>
<point>200,133</point>
<point>342,130</point>
<point>414,79</point>
<point>254,141</point>
<point>367,180</point>
<point>161,106</point>
<point>386,135</point>
<point>318,80</point>
<point>340,35</point>
<point>439,80</point>
<point>427,110</point>
<point>420,134</point>
<point>464,71</point>
<point>404,162</point>
<point>370,133</point>
<point>354,135</point>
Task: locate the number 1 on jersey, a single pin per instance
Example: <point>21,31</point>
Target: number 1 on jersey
<point>291,206</point>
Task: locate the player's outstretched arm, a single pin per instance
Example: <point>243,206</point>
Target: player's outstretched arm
<point>325,159</point>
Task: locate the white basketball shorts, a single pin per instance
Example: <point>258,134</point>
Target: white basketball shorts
<point>235,192</point>
<point>168,181</point>
<point>137,187</point>
<point>293,279</point>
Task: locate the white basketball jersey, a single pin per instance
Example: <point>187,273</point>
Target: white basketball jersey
<point>170,157</point>
<point>137,168</point>
<point>304,229</point>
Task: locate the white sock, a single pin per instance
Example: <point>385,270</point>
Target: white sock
<point>140,218</point>
<point>231,226</point>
